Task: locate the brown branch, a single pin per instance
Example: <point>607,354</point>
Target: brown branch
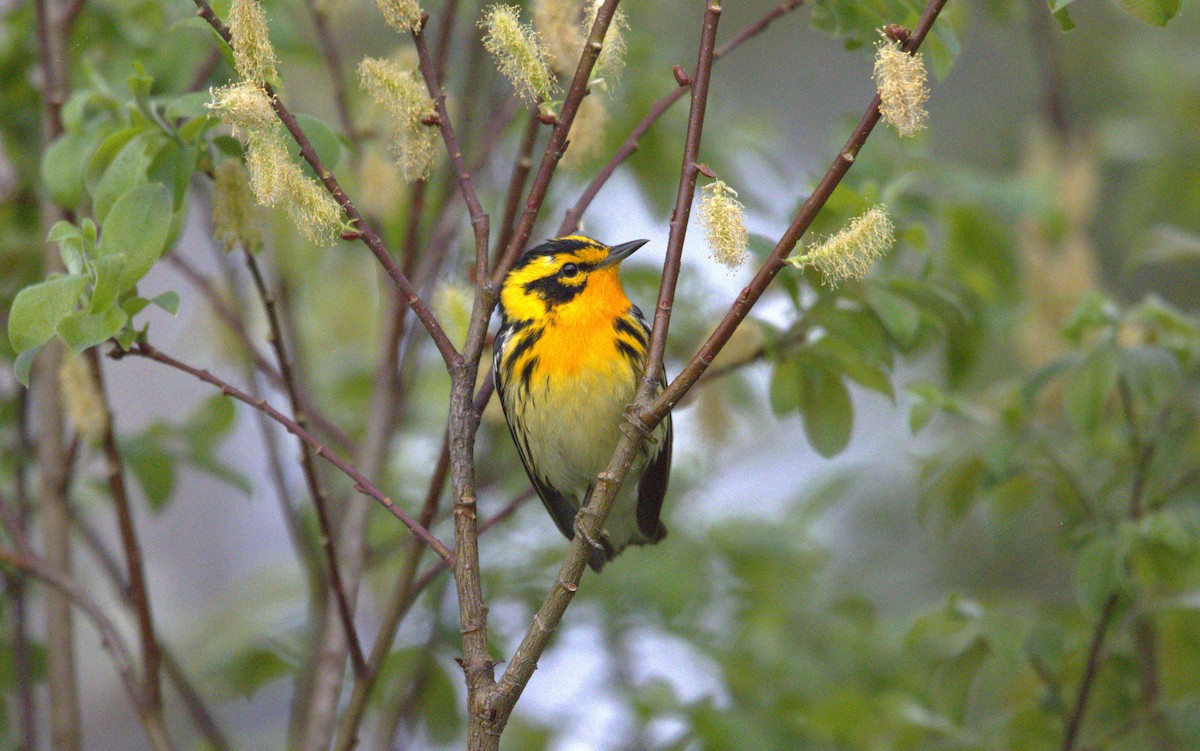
<point>571,219</point>
<point>361,483</point>
<point>235,325</point>
<point>1095,649</point>
<point>139,594</point>
<point>558,140</point>
<point>311,478</point>
<point>365,233</point>
<point>202,717</point>
<point>479,220</point>
<point>110,640</point>
<point>333,64</point>
<point>516,181</point>
<point>54,475</point>
<point>204,71</point>
<point>683,202</point>
<point>816,200</point>
<point>27,714</point>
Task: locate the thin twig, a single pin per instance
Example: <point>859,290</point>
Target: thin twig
<point>1095,649</point>
<point>333,64</point>
<point>311,478</point>
<point>365,233</point>
<point>233,322</point>
<point>139,594</point>
<point>571,219</point>
<point>193,702</point>
<point>683,202</point>
<point>110,640</point>
<point>361,483</point>
<point>27,715</point>
<point>775,261</point>
<point>479,220</point>
<point>516,181</point>
<point>558,140</point>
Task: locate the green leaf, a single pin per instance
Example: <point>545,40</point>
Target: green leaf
<point>324,141</point>
<point>127,170</point>
<point>62,168</point>
<point>785,386</point>
<point>71,246</point>
<point>24,363</point>
<point>842,357</point>
<point>439,706</point>
<point>1153,12</point>
<point>83,330</point>
<point>1064,20</point>
<point>152,466</point>
<point>253,668</point>
<point>137,229</point>
<point>39,308</point>
<point>168,301</point>
<point>1098,573</point>
<point>1086,393</point>
<point>900,317</point>
<point>106,272</point>
<point>825,407</point>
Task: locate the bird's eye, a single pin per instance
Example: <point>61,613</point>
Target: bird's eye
<point>569,270</point>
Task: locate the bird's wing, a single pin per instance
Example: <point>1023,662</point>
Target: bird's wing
<point>560,510</point>
<point>652,487</point>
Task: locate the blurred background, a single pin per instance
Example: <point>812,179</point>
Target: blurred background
<point>899,512</point>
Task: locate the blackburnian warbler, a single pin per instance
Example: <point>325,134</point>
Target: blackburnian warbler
<point>569,355</point>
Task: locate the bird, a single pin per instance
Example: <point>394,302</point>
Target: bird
<point>568,358</point>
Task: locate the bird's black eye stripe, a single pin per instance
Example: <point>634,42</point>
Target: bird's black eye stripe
<point>569,270</point>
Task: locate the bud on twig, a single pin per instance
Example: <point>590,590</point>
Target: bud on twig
<point>681,76</point>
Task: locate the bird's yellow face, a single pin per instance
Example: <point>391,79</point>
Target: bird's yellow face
<point>567,278</point>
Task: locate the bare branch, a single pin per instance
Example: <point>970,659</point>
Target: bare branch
<point>311,477</point>
<point>361,483</point>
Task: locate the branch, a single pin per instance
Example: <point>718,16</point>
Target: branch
<point>199,712</point>
<point>558,140</point>
<point>234,323</point>
<point>361,483</point>
<point>520,668</point>
<point>365,232</point>
<point>1099,634</point>
<point>110,640</point>
<point>516,182</point>
<point>683,202</point>
<point>333,63</point>
<point>570,222</point>
<point>479,220</point>
<point>311,479</point>
<point>816,200</point>
<point>139,595</point>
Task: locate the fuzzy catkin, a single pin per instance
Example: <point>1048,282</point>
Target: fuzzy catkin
<point>253,54</point>
<point>850,253</point>
<point>724,220</point>
<point>900,79</point>
<point>519,52</point>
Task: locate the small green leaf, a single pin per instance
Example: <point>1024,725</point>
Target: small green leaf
<point>126,171</point>
<point>900,317</point>
<point>1153,12</point>
<point>826,408</point>
<point>24,363</point>
<point>842,357</point>
<point>324,141</point>
<point>785,386</point>
<point>137,229</point>
<point>106,272</point>
<point>1064,20</point>
<point>1098,573</point>
<point>1086,393</point>
<point>38,309</point>
<point>168,301</point>
<point>71,246</point>
<point>439,706</point>
<point>83,330</point>
<point>152,466</point>
<point>62,168</point>
<point>253,668</point>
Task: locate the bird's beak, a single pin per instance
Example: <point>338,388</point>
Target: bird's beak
<point>619,253</point>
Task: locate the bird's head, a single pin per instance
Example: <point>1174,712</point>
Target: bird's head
<point>572,273</point>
